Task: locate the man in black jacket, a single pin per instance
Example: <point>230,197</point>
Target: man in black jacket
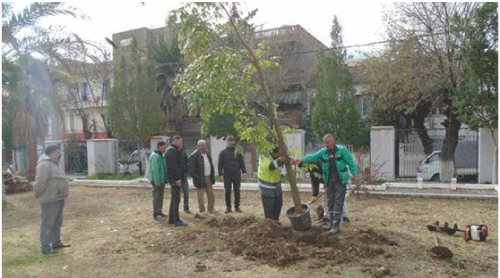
<point>231,166</point>
<point>201,169</point>
<point>174,176</point>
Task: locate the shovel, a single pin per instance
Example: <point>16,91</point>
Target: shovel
<point>441,252</point>
<point>319,196</point>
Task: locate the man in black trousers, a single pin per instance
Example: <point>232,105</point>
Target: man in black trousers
<point>174,167</point>
<point>231,166</point>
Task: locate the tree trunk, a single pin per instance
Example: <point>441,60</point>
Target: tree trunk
<point>32,157</point>
<point>447,163</point>
<point>418,117</point>
<point>85,126</point>
<point>272,117</point>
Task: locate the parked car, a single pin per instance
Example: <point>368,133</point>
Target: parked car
<point>466,167</point>
<point>134,165</point>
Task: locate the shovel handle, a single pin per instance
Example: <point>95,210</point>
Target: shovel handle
<point>320,194</point>
<point>437,240</point>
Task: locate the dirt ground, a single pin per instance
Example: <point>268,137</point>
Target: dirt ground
<point>112,234</point>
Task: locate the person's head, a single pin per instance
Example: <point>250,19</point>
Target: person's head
<point>161,146</point>
<point>202,145</point>
<point>275,153</point>
<point>329,142</point>
<point>54,152</point>
<point>177,141</point>
<point>231,141</point>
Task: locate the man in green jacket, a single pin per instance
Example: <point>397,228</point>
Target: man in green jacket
<point>336,161</point>
<point>157,177</point>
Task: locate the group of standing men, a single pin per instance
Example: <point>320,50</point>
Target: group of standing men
<point>171,164</point>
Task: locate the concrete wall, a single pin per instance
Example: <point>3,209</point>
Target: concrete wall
<point>102,156</point>
<point>383,152</point>
<point>296,142</point>
<point>486,155</point>
<point>216,146</point>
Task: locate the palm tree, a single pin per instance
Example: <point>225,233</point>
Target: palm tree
<point>27,80</point>
<point>168,60</point>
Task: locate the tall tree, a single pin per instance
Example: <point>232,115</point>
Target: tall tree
<point>22,36</point>
<point>220,76</point>
<point>84,72</point>
<point>436,33</point>
<point>476,102</point>
<point>335,110</point>
<point>168,58</point>
<point>391,79</point>
<point>134,105</point>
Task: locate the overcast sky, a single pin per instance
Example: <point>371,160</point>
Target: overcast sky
<point>361,21</point>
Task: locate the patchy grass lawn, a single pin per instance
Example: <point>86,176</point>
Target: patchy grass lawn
<point>112,234</point>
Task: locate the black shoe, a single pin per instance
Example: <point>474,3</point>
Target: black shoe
<point>228,210</point>
<point>238,210</point>
<point>187,211</point>
<point>180,224</point>
<point>60,245</point>
<point>346,219</point>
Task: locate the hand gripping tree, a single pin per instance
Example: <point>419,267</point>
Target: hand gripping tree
<point>225,74</point>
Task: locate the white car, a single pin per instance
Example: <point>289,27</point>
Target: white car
<point>131,166</point>
<point>429,167</point>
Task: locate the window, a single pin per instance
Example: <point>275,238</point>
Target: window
<point>105,89</point>
<point>85,91</point>
<point>72,123</point>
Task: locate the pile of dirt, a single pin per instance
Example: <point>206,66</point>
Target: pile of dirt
<point>14,184</point>
<point>269,242</point>
<point>230,223</point>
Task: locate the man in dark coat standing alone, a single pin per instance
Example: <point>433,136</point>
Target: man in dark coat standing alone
<point>231,166</point>
<point>174,176</point>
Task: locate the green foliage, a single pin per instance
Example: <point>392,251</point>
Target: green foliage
<point>476,102</point>
<point>335,110</point>
<point>134,111</point>
<point>219,125</point>
<point>218,80</point>
<point>306,125</point>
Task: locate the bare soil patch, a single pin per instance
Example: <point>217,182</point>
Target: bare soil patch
<point>112,234</point>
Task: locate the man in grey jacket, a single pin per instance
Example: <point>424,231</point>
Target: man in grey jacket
<point>51,189</point>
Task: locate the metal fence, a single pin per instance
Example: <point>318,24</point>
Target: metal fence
<point>75,157</point>
<point>410,151</point>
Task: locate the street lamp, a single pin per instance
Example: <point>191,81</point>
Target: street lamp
<point>111,42</point>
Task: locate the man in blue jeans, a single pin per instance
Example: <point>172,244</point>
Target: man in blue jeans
<point>336,163</point>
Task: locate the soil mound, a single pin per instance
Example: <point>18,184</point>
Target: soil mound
<point>269,242</point>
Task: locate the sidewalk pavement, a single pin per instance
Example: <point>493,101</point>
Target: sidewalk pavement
<point>459,190</point>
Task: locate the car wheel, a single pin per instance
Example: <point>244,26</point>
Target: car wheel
<point>435,178</point>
